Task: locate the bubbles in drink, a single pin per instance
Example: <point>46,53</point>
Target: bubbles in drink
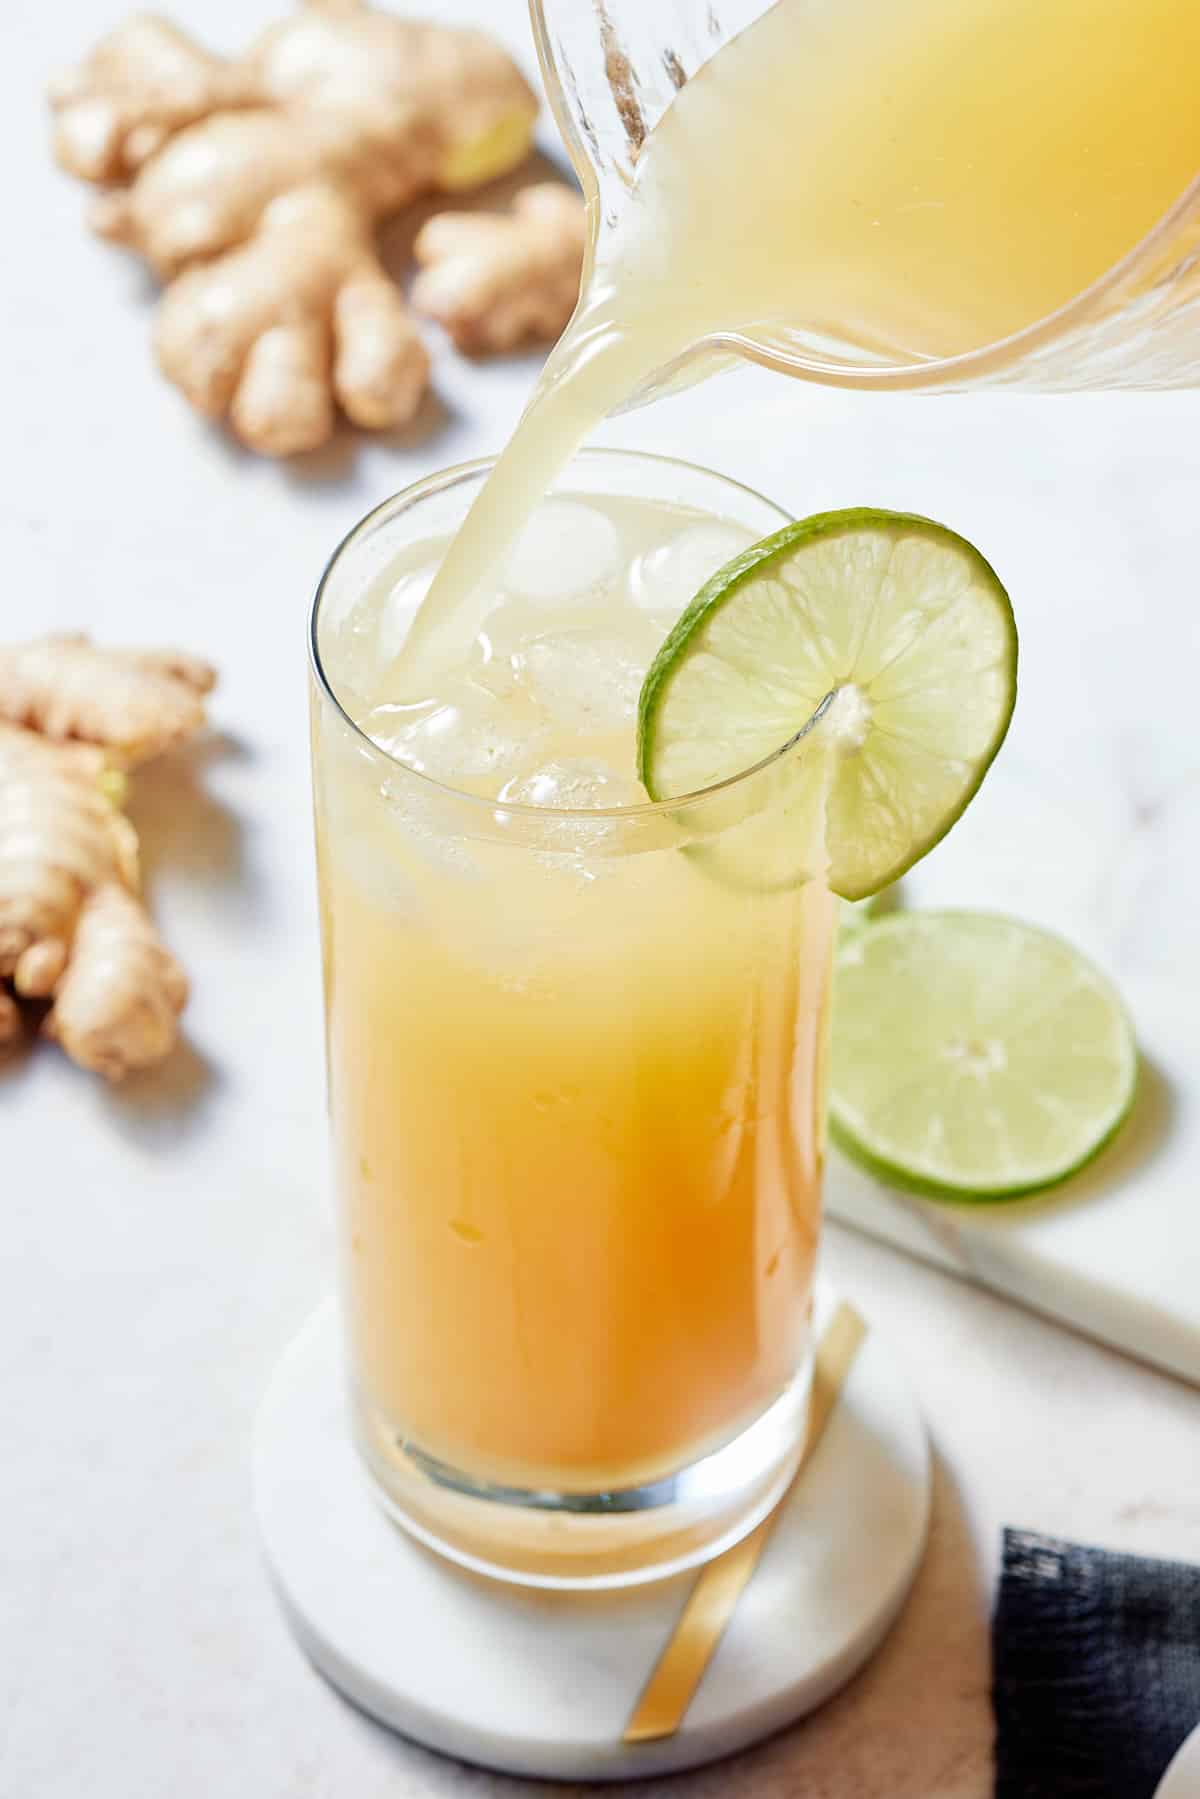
<point>578,784</point>
<point>423,845</point>
<point>667,577</point>
<point>567,552</point>
<point>575,785</point>
<point>466,735</point>
<point>587,679</point>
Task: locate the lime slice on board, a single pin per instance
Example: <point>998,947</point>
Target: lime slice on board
<point>974,1057</point>
<point>910,630</point>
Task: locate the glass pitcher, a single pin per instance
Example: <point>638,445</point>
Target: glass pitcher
<point>611,69</point>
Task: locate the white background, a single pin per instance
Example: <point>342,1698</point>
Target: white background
<point>160,1245</point>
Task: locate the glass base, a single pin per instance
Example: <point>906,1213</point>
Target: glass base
<point>494,1674</point>
<point>591,1540</point>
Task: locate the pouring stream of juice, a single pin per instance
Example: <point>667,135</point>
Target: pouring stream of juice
<point>913,180</point>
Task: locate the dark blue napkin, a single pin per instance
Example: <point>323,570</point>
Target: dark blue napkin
<point>1096,1669</point>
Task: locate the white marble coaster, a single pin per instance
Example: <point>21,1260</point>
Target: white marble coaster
<point>543,1683</point>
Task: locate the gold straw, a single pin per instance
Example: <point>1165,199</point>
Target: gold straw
<point>673,1682</point>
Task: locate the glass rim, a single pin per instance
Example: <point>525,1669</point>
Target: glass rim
<point>452,476</point>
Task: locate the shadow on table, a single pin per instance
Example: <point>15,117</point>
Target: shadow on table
<point>157,1106</point>
<point>334,462</point>
<point>915,1724</point>
<point>162,1106</point>
<point>180,824</point>
<point>185,829</point>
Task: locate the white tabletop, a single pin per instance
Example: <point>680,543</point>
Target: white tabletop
<point>163,1242</point>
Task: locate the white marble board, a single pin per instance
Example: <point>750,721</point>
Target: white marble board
<point>1100,841</point>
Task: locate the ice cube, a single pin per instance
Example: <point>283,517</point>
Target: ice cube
<point>667,577</point>
<point>567,552</point>
<point>588,678</point>
<point>427,839</point>
<point>573,845</point>
<point>491,660</point>
<point>489,664</point>
<point>574,786</point>
<point>399,608</point>
<point>465,735</point>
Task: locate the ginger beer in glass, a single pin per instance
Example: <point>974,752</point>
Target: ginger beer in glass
<point>575,1057</point>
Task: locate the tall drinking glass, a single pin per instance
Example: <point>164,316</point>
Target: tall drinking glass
<point>576,1068</point>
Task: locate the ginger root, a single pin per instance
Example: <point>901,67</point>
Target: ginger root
<point>117,1005</point>
<point>254,188</point>
<point>136,703</point>
<point>299,317</point>
<point>72,927</point>
<point>61,837</point>
<point>10,1018</point>
<point>138,86</point>
<point>494,280</point>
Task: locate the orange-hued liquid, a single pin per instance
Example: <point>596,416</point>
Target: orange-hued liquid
<point>582,1209</point>
<point>575,1063</point>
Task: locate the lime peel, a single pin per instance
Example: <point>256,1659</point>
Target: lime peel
<point>902,622</point>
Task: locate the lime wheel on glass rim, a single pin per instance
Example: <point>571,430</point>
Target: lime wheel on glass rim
<point>888,638</point>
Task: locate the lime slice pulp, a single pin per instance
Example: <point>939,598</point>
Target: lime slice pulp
<point>974,1057</point>
<point>903,622</point>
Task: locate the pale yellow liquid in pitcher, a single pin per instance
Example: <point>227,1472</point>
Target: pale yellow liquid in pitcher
<point>911,179</point>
